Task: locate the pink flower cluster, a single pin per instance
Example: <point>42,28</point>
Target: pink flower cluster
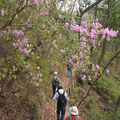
<point>2,12</point>
<point>83,78</point>
<point>84,24</point>
<point>60,16</point>
<point>74,57</point>
<point>23,45</point>
<point>36,79</point>
<point>97,25</point>
<point>78,29</point>
<point>62,51</point>
<point>44,13</point>
<point>72,3</point>
<point>109,33</point>
<point>66,25</point>
<point>18,33</point>
<point>73,21</point>
<point>35,2</point>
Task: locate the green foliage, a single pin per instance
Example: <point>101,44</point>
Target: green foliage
<point>96,113</point>
<point>78,92</point>
<point>108,87</point>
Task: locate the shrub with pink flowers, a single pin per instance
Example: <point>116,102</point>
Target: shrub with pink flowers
<point>37,38</point>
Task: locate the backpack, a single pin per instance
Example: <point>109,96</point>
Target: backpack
<point>55,82</point>
<point>72,119</point>
<point>61,100</point>
<point>69,65</point>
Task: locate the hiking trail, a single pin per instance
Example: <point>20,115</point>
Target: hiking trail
<point>51,107</point>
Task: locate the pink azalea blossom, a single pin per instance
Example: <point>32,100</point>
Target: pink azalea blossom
<point>27,66</point>
<point>2,12</point>
<point>35,2</point>
<point>84,24</point>
<point>62,51</point>
<point>89,78</point>
<point>83,78</point>
<point>38,68</point>
<point>73,21</point>
<point>97,19</point>
<point>96,74</point>
<point>83,70</point>
<point>108,38</point>
<point>66,25</point>
<point>40,75</point>
<point>108,72</point>
<point>40,80</point>
<point>57,5</point>
<point>83,44</point>
<point>97,66</point>
<point>45,1</point>
<point>16,16</point>
<point>93,66</point>
<point>37,84</point>
<point>16,5</point>
<point>60,16</point>
<point>84,39</point>
<point>4,32</point>
<point>23,28</point>
<point>99,44</point>
<point>15,45</point>
<point>74,57</point>
<point>81,63</point>
<point>34,78</point>
<point>70,61</point>
<point>72,3</point>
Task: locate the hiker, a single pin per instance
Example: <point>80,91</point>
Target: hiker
<point>73,114</point>
<point>62,99</point>
<point>55,82</point>
<point>69,67</point>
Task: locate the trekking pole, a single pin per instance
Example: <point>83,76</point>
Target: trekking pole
<point>54,109</point>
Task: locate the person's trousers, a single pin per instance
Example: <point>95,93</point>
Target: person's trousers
<point>54,88</point>
<point>61,113</point>
<point>70,72</point>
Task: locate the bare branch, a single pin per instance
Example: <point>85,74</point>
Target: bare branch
<point>111,60</point>
<point>89,7</point>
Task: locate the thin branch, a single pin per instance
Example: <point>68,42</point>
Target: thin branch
<point>111,61</point>
<point>21,25</point>
<point>9,22</point>
<point>88,91</point>
<point>89,7</point>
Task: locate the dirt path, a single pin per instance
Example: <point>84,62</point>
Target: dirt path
<point>51,107</point>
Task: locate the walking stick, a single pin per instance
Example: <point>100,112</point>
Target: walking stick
<point>54,109</point>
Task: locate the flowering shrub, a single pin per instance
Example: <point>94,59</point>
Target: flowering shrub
<point>33,42</point>
<point>91,37</point>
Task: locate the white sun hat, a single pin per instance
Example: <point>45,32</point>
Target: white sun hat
<point>73,110</point>
<point>55,73</point>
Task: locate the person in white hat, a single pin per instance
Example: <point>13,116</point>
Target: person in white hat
<point>55,82</point>
<point>62,99</point>
<point>73,114</point>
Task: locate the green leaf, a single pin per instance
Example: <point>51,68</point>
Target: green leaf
<point>5,70</point>
<point>3,75</point>
<point>0,89</point>
<point>14,69</point>
<point>14,76</point>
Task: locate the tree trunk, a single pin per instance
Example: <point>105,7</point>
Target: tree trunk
<point>105,41</point>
